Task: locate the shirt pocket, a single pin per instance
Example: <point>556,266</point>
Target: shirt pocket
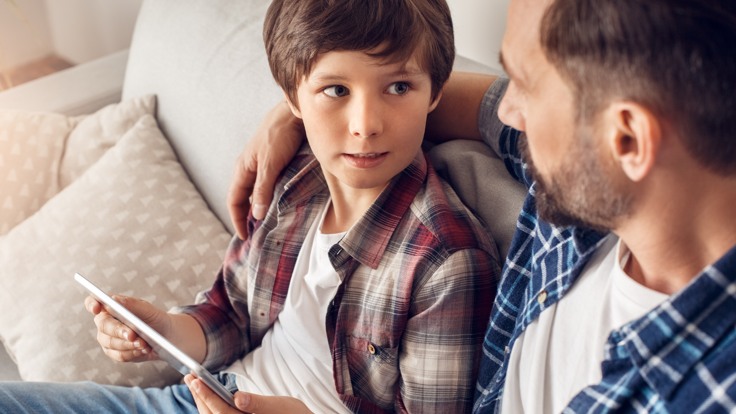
<point>373,366</point>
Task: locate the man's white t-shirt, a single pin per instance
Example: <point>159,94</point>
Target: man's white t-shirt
<point>561,352</point>
<point>294,358</point>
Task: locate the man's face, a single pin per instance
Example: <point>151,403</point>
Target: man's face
<point>364,118</point>
<point>577,181</point>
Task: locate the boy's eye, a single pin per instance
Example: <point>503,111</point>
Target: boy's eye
<point>335,91</point>
<point>398,88</point>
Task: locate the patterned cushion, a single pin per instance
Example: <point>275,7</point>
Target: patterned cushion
<point>132,223</point>
<point>41,153</point>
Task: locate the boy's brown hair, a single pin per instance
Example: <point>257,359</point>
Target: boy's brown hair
<point>296,32</point>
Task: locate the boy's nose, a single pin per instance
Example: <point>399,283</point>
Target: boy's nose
<point>365,119</point>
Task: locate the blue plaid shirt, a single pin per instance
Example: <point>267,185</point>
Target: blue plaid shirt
<point>678,358</point>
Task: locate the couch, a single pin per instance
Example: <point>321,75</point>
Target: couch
<point>119,169</point>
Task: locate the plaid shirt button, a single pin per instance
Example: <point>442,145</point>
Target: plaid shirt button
<point>542,297</point>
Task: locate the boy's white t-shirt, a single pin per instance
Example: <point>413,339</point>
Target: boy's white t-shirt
<point>294,357</point>
<point>561,352</point>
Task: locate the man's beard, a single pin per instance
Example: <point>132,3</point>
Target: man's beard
<point>579,193</point>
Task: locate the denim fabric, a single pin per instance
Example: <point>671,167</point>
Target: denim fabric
<point>89,397</point>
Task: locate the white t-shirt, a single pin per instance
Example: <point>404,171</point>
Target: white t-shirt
<point>561,352</point>
<point>294,358</point>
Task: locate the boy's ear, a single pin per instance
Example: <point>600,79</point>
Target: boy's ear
<point>634,136</point>
<point>435,101</point>
<point>294,108</point>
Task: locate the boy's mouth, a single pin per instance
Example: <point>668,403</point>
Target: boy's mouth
<point>365,160</point>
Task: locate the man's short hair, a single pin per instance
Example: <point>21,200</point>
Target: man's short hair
<point>296,32</point>
<point>676,57</point>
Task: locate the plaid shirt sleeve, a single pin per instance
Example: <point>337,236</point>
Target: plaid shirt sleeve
<point>222,311</point>
<point>440,351</point>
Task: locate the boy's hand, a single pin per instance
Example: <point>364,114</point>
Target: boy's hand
<point>274,144</point>
<point>118,341</point>
<point>210,403</point>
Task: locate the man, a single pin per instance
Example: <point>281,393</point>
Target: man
<point>619,288</point>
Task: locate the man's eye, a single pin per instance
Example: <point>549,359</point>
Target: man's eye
<point>398,88</point>
<point>336,91</point>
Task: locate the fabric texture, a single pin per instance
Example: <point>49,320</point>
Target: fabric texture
<point>678,358</point>
<point>418,277</point>
<point>132,223</point>
<point>479,178</point>
<point>41,153</point>
<point>206,63</point>
<point>92,398</point>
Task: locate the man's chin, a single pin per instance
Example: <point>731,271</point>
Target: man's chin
<point>553,213</point>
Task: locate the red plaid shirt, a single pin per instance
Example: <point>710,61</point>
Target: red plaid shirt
<point>419,275</point>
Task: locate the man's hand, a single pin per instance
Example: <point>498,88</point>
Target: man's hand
<point>210,403</point>
<point>119,342</point>
<point>274,144</point>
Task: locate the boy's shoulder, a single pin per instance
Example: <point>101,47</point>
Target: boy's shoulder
<point>441,211</point>
<point>303,161</point>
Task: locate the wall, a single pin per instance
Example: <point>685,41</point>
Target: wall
<point>84,30</point>
<point>24,34</point>
<point>479,26</point>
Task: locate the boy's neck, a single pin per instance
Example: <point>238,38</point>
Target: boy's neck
<point>347,207</point>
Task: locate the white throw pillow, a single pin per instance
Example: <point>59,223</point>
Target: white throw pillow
<point>41,153</point>
<point>132,223</point>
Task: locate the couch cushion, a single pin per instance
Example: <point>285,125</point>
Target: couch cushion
<point>41,153</point>
<point>207,64</point>
<point>132,223</point>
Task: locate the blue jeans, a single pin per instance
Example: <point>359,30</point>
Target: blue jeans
<point>89,397</point>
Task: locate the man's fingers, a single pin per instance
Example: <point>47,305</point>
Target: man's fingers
<point>238,197</point>
<point>263,191</point>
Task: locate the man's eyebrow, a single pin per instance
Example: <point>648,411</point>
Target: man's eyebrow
<point>505,67</point>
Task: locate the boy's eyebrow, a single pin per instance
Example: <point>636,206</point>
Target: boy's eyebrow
<point>332,77</point>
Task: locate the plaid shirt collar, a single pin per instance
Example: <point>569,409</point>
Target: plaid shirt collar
<point>380,220</point>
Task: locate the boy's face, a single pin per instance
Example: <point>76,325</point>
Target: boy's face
<point>364,118</point>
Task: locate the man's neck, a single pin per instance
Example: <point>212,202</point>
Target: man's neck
<point>673,240</point>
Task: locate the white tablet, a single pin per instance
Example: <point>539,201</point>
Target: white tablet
<point>163,348</point>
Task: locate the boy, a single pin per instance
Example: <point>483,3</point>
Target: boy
<point>368,285</point>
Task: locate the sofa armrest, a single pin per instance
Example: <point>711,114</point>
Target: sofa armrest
<point>81,89</point>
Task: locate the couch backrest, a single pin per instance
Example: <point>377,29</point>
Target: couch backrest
<point>206,62</point>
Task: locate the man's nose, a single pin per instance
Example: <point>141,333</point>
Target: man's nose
<point>510,110</point>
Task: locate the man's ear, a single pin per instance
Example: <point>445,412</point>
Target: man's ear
<point>435,101</point>
<point>634,137</point>
<point>294,108</point>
